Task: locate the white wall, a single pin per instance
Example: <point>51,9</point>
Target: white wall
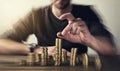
<point>11,10</point>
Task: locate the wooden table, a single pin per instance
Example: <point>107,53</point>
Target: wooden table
<point>10,63</point>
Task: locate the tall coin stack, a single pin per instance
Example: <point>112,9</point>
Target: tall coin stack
<point>58,52</point>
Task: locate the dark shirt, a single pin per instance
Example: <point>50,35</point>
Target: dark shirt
<point>45,26</point>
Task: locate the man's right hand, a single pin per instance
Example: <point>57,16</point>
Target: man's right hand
<point>76,31</point>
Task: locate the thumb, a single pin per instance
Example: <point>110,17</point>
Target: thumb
<point>67,16</point>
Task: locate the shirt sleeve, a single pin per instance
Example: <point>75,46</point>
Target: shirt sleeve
<point>21,29</point>
<point>96,26</point>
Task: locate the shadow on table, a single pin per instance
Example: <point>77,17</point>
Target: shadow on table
<point>110,63</point>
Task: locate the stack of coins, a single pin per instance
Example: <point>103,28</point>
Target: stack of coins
<point>85,60</point>
<point>98,64</point>
<point>77,60</point>
<point>58,52</point>
<point>50,60</point>
<point>38,59</point>
<point>73,56</point>
<point>54,57</point>
<point>64,57</point>
<point>44,56</point>
<point>31,59</point>
<point>23,62</point>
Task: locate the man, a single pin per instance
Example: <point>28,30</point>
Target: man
<point>82,29</point>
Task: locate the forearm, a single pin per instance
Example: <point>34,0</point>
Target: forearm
<point>103,46</point>
<point>12,47</point>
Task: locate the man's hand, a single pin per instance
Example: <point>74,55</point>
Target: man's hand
<point>76,31</point>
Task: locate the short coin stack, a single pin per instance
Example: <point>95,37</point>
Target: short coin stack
<point>44,56</point>
<point>73,56</point>
<point>85,60</point>
<point>31,59</point>
<point>98,63</point>
<point>64,57</point>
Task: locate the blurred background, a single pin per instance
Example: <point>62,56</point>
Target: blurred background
<point>12,10</point>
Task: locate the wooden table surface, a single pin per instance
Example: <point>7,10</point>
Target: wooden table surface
<point>10,63</point>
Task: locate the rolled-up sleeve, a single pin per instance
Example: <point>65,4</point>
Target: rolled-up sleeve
<point>21,29</point>
<point>95,24</point>
<point>98,29</point>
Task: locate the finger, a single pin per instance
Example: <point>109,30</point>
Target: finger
<point>78,19</point>
<point>64,32</point>
<point>82,35</point>
<point>67,16</point>
<point>78,31</point>
<point>83,26</point>
<point>59,34</point>
<point>74,28</point>
<point>67,29</point>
